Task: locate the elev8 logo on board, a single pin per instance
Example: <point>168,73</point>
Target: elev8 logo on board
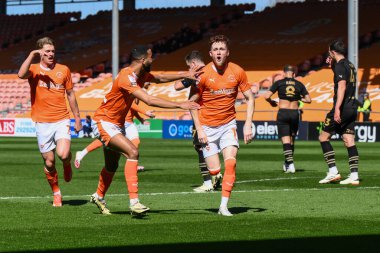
<point>177,129</point>
<point>264,130</point>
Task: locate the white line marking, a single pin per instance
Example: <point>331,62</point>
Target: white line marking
<point>272,179</point>
<point>192,192</point>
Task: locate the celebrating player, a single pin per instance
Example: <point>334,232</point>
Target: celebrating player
<point>194,59</point>
<point>49,82</point>
<point>215,122</point>
<point>110,119</point>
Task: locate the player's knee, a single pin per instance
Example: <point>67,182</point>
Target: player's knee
<point>65,156</point>
<point>133,153</point>
<point>49,164</point>
<point>214,171</point>
<point>348,140</point>
<point>322,138</point>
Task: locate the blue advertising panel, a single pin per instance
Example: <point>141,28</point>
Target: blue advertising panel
<point>72,129</point>
<point>177,129</point>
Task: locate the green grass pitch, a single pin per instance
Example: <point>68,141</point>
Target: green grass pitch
<point>274,212</point>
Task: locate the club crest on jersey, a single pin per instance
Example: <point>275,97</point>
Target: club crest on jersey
<point>59,75</point>
<point>132,80</point>
<point>231,78</point>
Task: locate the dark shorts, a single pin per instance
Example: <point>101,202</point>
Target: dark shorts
<point>348,117</point>
<point>287,122</point>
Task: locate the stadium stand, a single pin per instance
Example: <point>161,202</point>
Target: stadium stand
<point>88,42</point>
<point>277,38</point>
<point>17,28</point>
<point>289,33</point>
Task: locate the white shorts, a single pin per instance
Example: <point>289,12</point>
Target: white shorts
<point>220,137</point>
<point>49,133</point>
<point>106,130</point>
<point>131,131</point>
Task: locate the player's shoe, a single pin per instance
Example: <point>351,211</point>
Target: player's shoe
<point>203,188</point>
<point>331,177</point>
<point>140,168</point>
<point>67,173</point>
<point>350,180</point>
<point>100,203</point>
<point>216,180</point>
<point>138,209</point>
<point>289,168</point>
<point>224,211</point>
<point>78,158</point>
<point>57,200</point>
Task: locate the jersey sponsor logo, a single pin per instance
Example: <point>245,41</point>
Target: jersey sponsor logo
<point>7,126</point>
<point>212,80</point>
<point>340,76</point>
<point>132,80</point>
<point>42,73</point>
<point>51,85</point>
<point>223,91</point>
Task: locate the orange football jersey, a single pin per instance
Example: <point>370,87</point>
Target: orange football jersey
<point>218,93</point>
<point>48,91</point>
<point>117,102</point>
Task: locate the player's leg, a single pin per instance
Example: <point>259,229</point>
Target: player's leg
<point>328,151</point>
<point>132,133</point>
<point>79,155</point>
<point>46,144</point>
<point>229,155</point>
<point>52,177</point>
<point>288,166</point>
<point>229,145</point>
<point>111,159</point>
<point>63,140</point>
<point>122,144</point>
<point>207,185</point>
<point>348,124</point>
<point>283,127</point>
<point>288,141</point>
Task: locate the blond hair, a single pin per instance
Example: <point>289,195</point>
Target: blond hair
<point>44,41</point>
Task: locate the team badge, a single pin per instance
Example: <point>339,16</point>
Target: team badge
<point>132,80</point>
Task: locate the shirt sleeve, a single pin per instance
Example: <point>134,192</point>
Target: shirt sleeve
<point>69,83</point>
<point>304,91</point>
<point>243,81</point>
<point>340,72</point>
<point>274,87</point>
<point>32,70</point>
<point>128,83</point>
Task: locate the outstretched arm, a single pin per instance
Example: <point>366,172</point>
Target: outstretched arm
<point>158,102</point>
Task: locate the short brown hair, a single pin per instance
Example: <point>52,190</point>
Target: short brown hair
<point>194,55</point>
<point>219,38</point>
<point>43,41</point>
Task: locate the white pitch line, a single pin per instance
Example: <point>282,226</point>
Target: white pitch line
<point>192,192</point>
<point>272,179</point>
